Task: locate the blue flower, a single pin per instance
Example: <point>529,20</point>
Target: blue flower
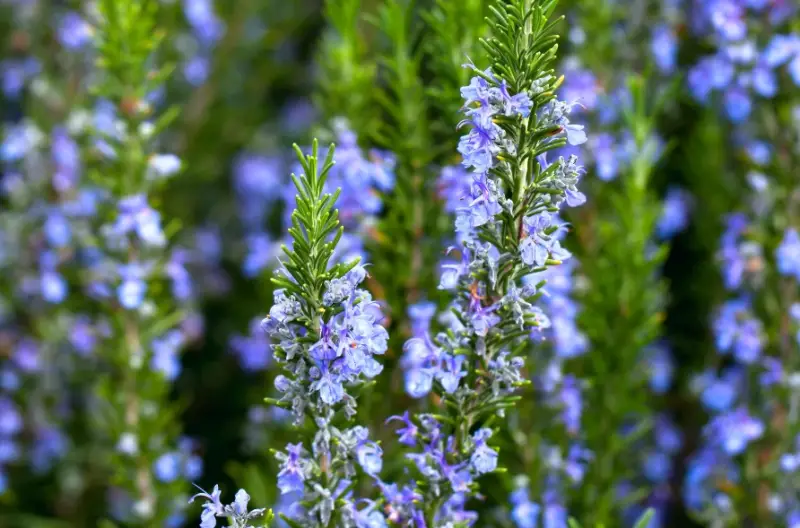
<point>738,331</point>
<point>734,430</point>
<point>675,214</point>
<point>738,104</point>
<point>167,467</point>
<point>292,473</point>
<point>200,15</point>
<point>482,318</point>
<point>664,46</point>
<point>132,289</point>
<point>73,31</point>
<point>10,418</point>
<point>519,104</point>
<point>479,147</point>
<point>727,18</point>
<point>536,246</point>
<point>524,513</point>
<point>450,372</point>
<point>57,229</point>
<point>254,351</point>
<point>661,367</point>
<point>330,389</point>
<point>554,515</point>
<point>164,165</point>
<point>764,82</point>
<point>421,314</point>
<point>483,458</point>
<point>54,287</point>
<point>419,382</point>
<point>136,215</point>
<point>478,91</point>
<point>787,256</point>
<point>165,354</point>
<point>370,457</point>
<point>781,49</point>
<point>657,466</point>
<point>719,394</point>
<point>451,273</point>
<point>406,435</point>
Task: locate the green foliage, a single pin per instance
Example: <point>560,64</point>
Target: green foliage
<point>347,70</point>
<point>454,29</point>
<point>523,43</point>
<point>642,522</point>
<point>623,310</point>
<point>126,39</point>
<point>315,233</point>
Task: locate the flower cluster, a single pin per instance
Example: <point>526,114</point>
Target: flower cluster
<point>326,332</point>
<point>342,356</point>
<point>743,65</point>
<point>741,411</point>
<point>507,229</point>
<point>206,30</point>
<point>749,395</point>
<point>435,463</point>
<point>42,227</point>
<point>237,513</point>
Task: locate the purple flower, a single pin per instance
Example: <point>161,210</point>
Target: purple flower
<point>406,435</point>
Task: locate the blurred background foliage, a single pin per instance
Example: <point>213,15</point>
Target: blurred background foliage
<point>280,72</point>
